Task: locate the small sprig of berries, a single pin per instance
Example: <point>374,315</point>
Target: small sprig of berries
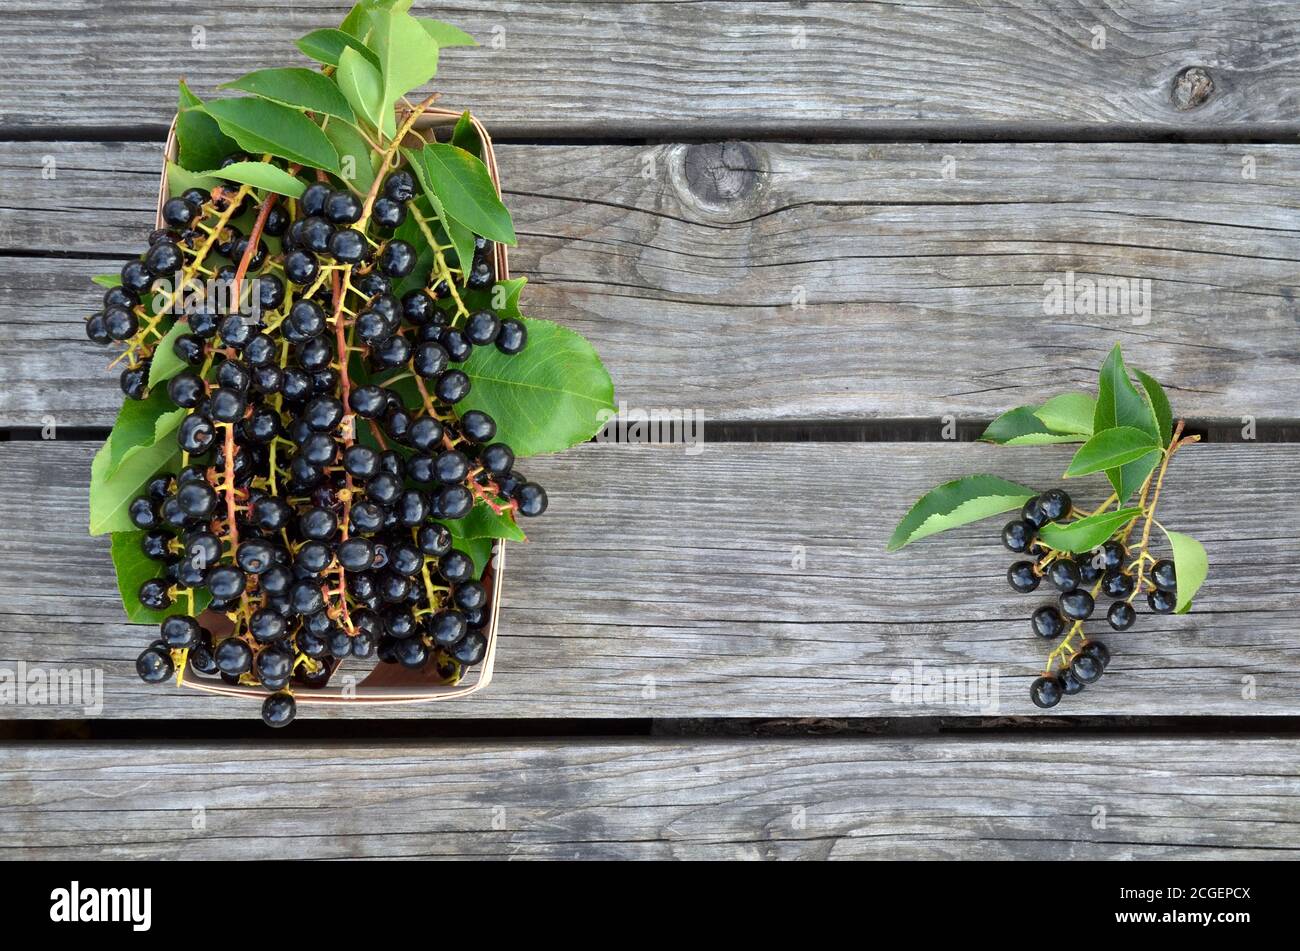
<point>1113,569</point>
<point>1129,435</point>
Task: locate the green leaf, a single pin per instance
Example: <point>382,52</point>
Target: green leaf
<point>464,186</point>
<point>482,522</point>
<point>546,398</point>
<point>200,143</point>
<point>408,55</point>
<point>465,136</point>
<point>262,175</point>
<point>445,34</point>
<point>111,495</point>
<point>259,125</point>
<point>1119,404</point>
<point>327,46</point>
<point>182,180</point>
<point>362,85</point>
<point>1020,427</point>
<point>165,363</point>
<point>133,570</point>
<point>1086,533</point>
<point>1068,413</point>
<point>349,143</point>
<point>1110,449</point>
<point>1159,401</point>
<point>295,86</point>
<point>359,20</point>
<point>461,237</point>
<point>1191,566</point>
<point>140,424</point>
<point>108,280</point>
<point>957,503</point>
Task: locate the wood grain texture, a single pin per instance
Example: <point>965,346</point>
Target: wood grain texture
<point>746,581</point>
<point>608,68</point>
<point>1186,798</point>
<point>924,295</point>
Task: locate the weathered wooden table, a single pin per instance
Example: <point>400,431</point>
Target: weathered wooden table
<point>699,651</point>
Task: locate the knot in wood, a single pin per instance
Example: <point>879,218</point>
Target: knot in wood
<point>721,172</point>
<point>1192,87</point>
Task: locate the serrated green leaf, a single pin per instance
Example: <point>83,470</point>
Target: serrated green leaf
<point>108,280</point>
<point>1159,401</point>
<point>1068,413</point>
<point>182,180</point>
<point>1191,567</point>
<point>262,175</point>
<point>445,34</point>
<point>111,495</point>
<point>1119,404</point>
<point>464,186</point>
<point>200,143</point>
<point>140,424</point>
<point>1131,475</point>
<point>554,394</point>
<point>1087,533</point>
<point>327,46</point>
<point>1020,427</point>
<point>259,125</point>
<point>134,569</point>
<point>466,137</point>
<point>462,238</point>
<point>362,86</point>
<point>408,55</point>
<point>295,86</point>
<point>1110,449</point>
<point>355,155</point>
<point>957,503</point>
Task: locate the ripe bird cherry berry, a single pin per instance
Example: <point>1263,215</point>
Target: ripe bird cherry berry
<point>1161,601</point>
<point>1121,615</point>
<point>1055,505</point>
<point>1162,573</point>
<point>1022,578</point>
<point>513,337</point>
<point>1086,668</point>
<point>154,665</point>
<point>1064,574</point>
<point>1046,692</point>
<point>1077,605</point>
<point>1116,584</point>
<point>1018,535</point>
<point>1047,622</point>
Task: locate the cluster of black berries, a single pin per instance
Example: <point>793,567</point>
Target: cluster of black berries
<point>1107,569</point>
<point>312,509</point>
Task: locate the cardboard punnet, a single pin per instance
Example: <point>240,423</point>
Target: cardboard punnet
<point>385,683</point>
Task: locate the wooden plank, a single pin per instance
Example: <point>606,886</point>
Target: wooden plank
<point>627,68</point>
<point>973,798</point>
<point>924,296</point>
<point>747,581</point>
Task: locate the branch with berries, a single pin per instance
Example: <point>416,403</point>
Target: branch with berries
<point>328,380</point>
<point>1127,433</point>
